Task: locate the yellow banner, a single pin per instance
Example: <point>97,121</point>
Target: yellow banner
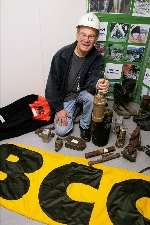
<point>58,189</point>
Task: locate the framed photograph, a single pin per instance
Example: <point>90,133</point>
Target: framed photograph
<point>103,31</point>
<point>146,80</point>
<point>145,91</point>
<point>141,8</point>
<point>113,71</point>
<point>131,71</point>
<point>109,6</point>
<point>118,32</point>
<point>135,53</point>
<point>115,52</point>
<point>101,48</point>
<point>138,33</point>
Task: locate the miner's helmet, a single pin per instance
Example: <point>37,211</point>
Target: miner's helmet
<point>136,29</point>
<point>89,20</point>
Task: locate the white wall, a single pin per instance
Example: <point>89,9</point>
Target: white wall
<point>31,32</point>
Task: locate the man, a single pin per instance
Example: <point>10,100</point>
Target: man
<point>138,34</point>
<point>135,34</point>
<point>74,75</point>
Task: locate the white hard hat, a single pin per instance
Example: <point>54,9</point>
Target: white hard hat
<point>89,20</point>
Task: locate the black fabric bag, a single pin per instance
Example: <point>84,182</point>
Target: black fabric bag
<point>19,118</point>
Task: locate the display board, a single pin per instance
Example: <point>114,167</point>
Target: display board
<point>124,41</point>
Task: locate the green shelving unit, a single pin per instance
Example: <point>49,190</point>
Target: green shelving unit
<point>125,41</point>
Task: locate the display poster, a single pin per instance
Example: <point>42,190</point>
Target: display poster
<point>105,6</point>
<point>124,41</point>
<point>141,8</point>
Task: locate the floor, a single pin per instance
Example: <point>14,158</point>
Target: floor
<point>9,218</point>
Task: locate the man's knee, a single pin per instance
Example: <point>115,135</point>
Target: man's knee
<point>88,98</point>
<point>62,130</point>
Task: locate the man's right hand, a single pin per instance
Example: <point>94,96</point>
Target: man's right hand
<point>61,117</point>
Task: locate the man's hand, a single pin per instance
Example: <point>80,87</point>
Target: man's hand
<point>61,117</point>
<point>102,85</point>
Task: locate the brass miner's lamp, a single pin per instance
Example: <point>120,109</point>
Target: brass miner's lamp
<point>99,104</point>
<point>101,120</point>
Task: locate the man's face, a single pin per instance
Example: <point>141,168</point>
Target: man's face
<point>142,36</point>
<point>86,38</point>
<point>135,36</point>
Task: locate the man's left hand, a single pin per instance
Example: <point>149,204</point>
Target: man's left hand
<point>103,85</point>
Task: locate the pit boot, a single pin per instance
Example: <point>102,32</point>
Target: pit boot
<point>121,111</point>
<point>130,151</point>
<point>123,98</point>
<point>145,104</point>
<point>132,108</point>
<point>143,117</point>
